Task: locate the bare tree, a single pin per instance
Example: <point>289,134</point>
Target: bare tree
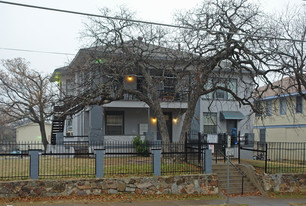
<point>25,94</point>
<point>290,55</point>
<point>193,54</point>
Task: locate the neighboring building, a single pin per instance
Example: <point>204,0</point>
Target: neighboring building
<point>283,118</point>
<point>30,133</point>
<point>122,120</point>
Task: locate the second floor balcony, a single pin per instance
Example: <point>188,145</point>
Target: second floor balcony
<point>163,96</point>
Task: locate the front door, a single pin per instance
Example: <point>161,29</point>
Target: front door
<point>168,118</point>
<point>230,124</point>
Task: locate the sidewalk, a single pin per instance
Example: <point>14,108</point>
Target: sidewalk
<point>248,200</point>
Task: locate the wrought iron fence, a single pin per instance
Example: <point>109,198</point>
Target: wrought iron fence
<point>122,159</point>
<point>78,159</point>
<point>286,157</point>
<point>15,160</point>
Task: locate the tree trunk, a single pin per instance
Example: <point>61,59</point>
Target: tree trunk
<point>188,116</point>
<point>161,122</point>
<point>43,134</point>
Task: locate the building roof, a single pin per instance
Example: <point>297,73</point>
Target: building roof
<point>284,87</point>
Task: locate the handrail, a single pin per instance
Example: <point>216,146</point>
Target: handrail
<point>237,168</point>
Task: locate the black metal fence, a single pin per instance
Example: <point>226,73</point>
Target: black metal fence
<point>77,159</point>
<point>202,141</point>
<point>286,157</point>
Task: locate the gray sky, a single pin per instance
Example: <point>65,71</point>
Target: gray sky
<point>33,29</point>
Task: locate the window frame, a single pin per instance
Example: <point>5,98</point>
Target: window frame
<point>282,106</point>
<point>297,108</point>
<point>209,115</point>
<point>116,113</point>
<point>233,82</point>
<point>69,127</point>
<point>262,140</point>
<point>258,106</point>
<point>268,109</point>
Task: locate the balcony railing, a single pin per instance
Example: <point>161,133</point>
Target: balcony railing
<point>164,96</point>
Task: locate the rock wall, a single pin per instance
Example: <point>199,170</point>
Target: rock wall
<point>284,182</point>
<point>189,184</point>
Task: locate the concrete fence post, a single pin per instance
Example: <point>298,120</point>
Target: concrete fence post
<point>207,161</point>
<point>34,164</point>
<point>157,162</point>
<point>100,162</point>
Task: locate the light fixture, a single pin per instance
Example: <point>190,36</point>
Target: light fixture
<point>130,78</point>
<point>174,120</point>
<point>154,120</point>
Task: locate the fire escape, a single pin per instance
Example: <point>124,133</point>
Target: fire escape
<point>57,123</point>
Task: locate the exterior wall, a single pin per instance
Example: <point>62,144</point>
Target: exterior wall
<point>134,117</point>
<point>136,112</point>
<point>290,127</point>
<point>217,106</point>
<point>244,126</point>
<point>31,133</point>
<point>187,184</point>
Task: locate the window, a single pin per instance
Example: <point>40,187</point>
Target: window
<point>269,107</point>
<point>221,94</point>
<point>258,107</point>
<point>262,136</point>
<point>282,106</point>
<point>114,123</point>
<point>69,87</point>
<point>210,123</point>
<point>299,104</point>
<point>69,128</point>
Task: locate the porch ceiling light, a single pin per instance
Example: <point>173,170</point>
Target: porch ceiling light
<point>130,78</point>
<point>174,120</point>
<point>154,120</point>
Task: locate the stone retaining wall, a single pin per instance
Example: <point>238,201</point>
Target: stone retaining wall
<point>189,184</point>
<point>284,182</point>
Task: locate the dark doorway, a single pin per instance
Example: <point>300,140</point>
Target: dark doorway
<point>168,118</point>
<point>230,124</point>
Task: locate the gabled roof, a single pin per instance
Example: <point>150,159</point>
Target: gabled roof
<point>284,87</point>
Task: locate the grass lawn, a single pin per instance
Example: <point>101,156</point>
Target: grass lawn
<point>275,167</point>
<point>51,166</point>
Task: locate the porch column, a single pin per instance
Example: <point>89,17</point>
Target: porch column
<point>95,124</point>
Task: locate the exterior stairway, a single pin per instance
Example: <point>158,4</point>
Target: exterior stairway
<point>57,124</point>
<point>235,180</point>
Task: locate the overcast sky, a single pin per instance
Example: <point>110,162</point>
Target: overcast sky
<point>41,30</point>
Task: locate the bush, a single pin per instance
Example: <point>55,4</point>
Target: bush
<point>140,146</point>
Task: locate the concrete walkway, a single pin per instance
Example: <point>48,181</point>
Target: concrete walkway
<point>248,200</point>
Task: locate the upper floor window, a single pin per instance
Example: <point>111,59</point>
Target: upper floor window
<point>269,107</point>
<point>220,94</point>
<point>282,106</point>
<point>210,123</point>
<point>258,107</point>
<point>69,87</point>
<point>299,104</point>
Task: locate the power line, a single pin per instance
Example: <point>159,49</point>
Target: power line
<point>143,22</point>
<point>36,51</point>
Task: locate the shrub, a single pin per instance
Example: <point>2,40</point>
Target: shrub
<point>140,146</point>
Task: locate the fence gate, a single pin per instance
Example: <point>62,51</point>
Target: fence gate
<point>214,142</point>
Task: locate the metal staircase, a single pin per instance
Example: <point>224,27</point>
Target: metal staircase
<point>57,123</point>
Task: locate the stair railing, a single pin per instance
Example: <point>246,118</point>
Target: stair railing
<point>243,175</point>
